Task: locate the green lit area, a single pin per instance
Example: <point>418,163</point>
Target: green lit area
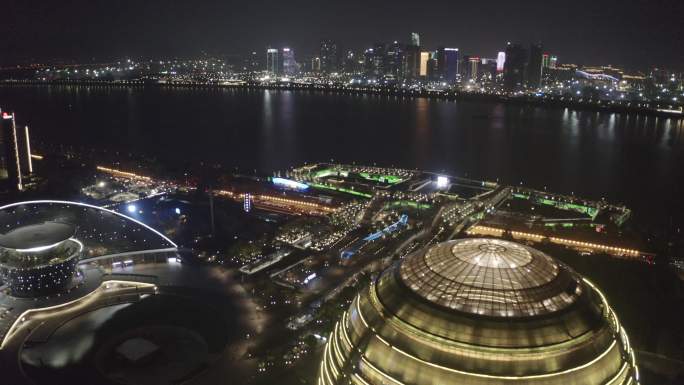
<point>380,178</point>
<point>405,203</point>
<point>340,189</point>
<point>330,171</point>
<point>565,224</point>
<point>589,211</point>
<point>389,179</point>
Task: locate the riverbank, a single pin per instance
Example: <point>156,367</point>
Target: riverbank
<point>551,101</point>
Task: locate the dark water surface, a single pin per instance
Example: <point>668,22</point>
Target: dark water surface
<point>636,160</point>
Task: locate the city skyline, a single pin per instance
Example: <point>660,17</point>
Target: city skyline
<point>342,193</point>
<point>619,33</point>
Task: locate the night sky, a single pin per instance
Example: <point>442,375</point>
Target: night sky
<point>636,34</point>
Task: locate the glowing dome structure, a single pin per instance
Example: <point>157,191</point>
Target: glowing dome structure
<point>480,312</point>
<point>39,258</point>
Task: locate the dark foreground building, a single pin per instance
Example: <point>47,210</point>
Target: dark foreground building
<point>479,311</point>
<point>514,68</point>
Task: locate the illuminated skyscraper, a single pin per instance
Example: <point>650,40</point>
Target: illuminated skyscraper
<point>447,64</point>
<point>553,63</point>
<point>272,62</point>
<point>450,64</point>
<point>473,71</point>
<point>368,61</point>
<point>415,39</point>
<point>316,64</point>
<point>252,63</point>
<point>546,60</point>
<point>395,60</point>
<point>329,56</point>
<point>11,159</point>
<point>353,62</point>
<point>424,57</point>
<point>290,66</point>
<point>500,61</point>
<point>380,62</point>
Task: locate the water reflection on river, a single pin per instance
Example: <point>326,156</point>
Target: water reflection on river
<point>632,159</point>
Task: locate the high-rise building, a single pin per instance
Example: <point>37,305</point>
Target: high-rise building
<point>433,69</point>
<point>553,63</point>
<point>368,61</point>
<point>424,57</point>
<point>290,66</point>
<point>487,71</point>
<point>500,61</point>
<point>440,57</point>
<point>412,61</point>
<point>473,71</point>
<point>514,68</point>
<point>11,159</point>
<point>450,65</point>
<point>464,70</point>
<point>316,64</point>
<point>479,312</point>
<point>534,66</point>
<point>415,39</point>
<point>252,62</point>
<point>329,56</point>
<point>272,62</point>
<point>395,60</point>
<point>352,62</point>
<point>546,60</point>
<point>380,62</point>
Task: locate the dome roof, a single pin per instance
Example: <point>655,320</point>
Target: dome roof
<point>490,277</point>
<point>478,312</point>
<point>40,235</point>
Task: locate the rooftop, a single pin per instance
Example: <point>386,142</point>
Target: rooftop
<point>490,277</point>
<point>41,235</point>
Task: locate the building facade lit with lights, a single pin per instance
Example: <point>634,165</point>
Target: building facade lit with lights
<point>39,259</point>
<point>15,151</point>
<point>479,311</point>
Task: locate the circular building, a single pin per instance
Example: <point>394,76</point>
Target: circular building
<point>39,259</point>
<point>476,312</point>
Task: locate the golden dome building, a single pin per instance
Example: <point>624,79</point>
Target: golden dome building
<point>479,312</point>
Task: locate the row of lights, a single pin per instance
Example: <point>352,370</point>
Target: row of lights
<point>538,237</point>
<point>122,173</point>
